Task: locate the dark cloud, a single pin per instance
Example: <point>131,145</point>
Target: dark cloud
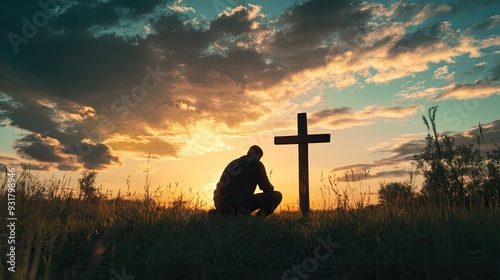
<point>337,117</point>
<point>80,16</point>
<point>490,138</point>
<point>421,38</point>
<point>72,66</point>
<point>486,25</point>
<point>237,64</point>
<point>481,87</point>
<point>478,68</point>
<point>67,61</point>
<point>330,112</point>
<point>495,71</point>
<point>407,174</point>
<point>176,39</point>
<point>402,153</point>
<point>43,149</point>
<point>306,26</point>
<point>234,24</point>
<point>27,114</point>
<point>397,158</point>
<point>136,8</point>
<point>406,9</point>
<point>48,152</point>
<point>153,146</point>
<point>347,117</point>
<point>93,156</point>
<point>408,12</point>
<point>96,73</point>
<point>66,69</point>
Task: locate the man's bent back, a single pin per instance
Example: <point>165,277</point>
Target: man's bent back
<point>235,190</point>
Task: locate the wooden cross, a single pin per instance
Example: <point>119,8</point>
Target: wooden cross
<point>303,139</point>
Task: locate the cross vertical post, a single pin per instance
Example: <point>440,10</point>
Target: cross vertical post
<point>303,139</point>
<point>303,165</point>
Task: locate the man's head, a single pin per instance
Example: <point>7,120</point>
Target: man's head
<point>255,151</point>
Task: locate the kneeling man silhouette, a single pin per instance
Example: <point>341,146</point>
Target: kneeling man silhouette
<point>234,193</point>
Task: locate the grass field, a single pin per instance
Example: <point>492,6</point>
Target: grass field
<point>68,238</point>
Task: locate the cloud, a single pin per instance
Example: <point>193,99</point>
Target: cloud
<point>418,13</point>
<point>44,149</point>
<point>489,24</point>
<point>138,77</point>
<point>401,150</point>
<point>390,161</point>
<point>307,26</point>
<point>422,38</point>
<point>50,153</point>
<point>180,8</point>
<point>8,160</point>
<point>313,101</point>
<point>396,53</point>
<point>443,74</point>
<point>145,145</point>
<point>495,72</point>
<point>238,20</point>
<point>93,155</point>
<point>490,133</point>
<point>480,65</point>
<point>394,167</point>
<point>478,68</point>
<point>480,88</point>
<point>46,152</point>
<point>338,118</point>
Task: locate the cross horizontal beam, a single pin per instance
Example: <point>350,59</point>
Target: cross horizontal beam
<point>301,139</point>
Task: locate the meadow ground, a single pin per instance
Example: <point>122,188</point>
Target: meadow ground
<point>67,238</point>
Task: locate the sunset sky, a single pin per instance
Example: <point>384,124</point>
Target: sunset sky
<point>103,84</point>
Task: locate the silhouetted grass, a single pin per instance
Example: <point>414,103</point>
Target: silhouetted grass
<point>67,238</point>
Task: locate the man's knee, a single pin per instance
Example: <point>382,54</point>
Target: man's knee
<point>277,197</point>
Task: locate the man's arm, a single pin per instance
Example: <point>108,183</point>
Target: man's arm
<point>262,179</point>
